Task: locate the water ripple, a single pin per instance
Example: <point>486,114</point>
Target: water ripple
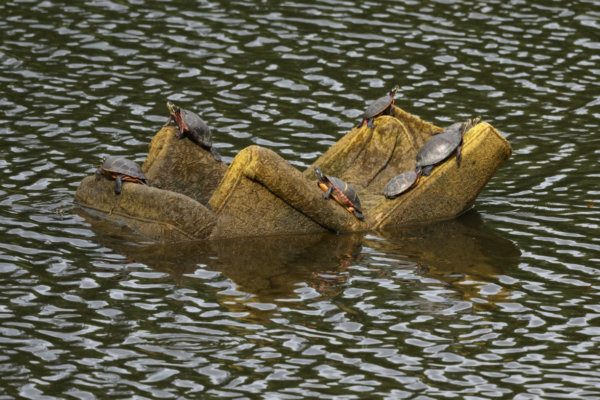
<point>501,302</point>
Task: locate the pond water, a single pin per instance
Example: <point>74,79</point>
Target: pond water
<point>502,302</point>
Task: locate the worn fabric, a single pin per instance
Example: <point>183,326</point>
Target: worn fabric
<point>261,194</point>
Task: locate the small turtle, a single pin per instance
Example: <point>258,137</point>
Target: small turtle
<point>192,126</point>
<point>121,169</point>
<point>340,191</point>
<point>382,105</point>
<point>400,184</point>
<point>439,147</point>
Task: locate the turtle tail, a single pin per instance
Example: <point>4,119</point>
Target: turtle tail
<point>215,154</point>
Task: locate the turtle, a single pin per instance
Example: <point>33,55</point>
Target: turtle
<point>341,192</point>
<point>121,169</point>
<point>400,184</point>
<point>192,126</point>
<point>439,147</point>
<point>379,107</point>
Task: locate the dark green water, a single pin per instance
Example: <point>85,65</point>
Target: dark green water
<point>500,303</point>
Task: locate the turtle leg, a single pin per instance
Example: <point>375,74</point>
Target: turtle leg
<point>358,214</point>
<point>168,121</point>
<point>370,123</point>
<point>327,194</point>
<point>427,170</point>
<point>181,133</point>
<point>118,183</point>
<point>98,173</point>
<point>459,154</point>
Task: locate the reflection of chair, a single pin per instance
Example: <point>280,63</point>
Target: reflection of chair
<point>270,268</point>
<point>261,194</point>
<point>458,252</point>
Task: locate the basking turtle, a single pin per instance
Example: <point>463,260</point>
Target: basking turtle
<point>443,144</point>
<point>192,126</point>
<point>121,169</point>
<point>340,191</point>
<point>382,105</point>
<point>400,184</point>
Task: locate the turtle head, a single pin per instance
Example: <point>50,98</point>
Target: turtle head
<point>394,90</point>
<point>320,175</point>
<point>173,108</point>
<point>472,122</point>
<point>99,168</point>
<point>468,124</point>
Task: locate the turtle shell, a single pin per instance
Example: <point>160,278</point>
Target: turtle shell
<point>192,126</point>
<point>379,106</point>
<point>119,165</point>
<point>121,169</point>
<point>344,193</point>
<point>341,191</point>
<point>195,128</point>
<point>400,184</point>
<point>438,148</point>
<point>443,144</point>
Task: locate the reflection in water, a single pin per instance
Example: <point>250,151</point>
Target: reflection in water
<point>270,269</point>
<point>449,310</point>
<point>457,252</point>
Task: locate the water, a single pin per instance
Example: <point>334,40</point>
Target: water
<point>499,303</point>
